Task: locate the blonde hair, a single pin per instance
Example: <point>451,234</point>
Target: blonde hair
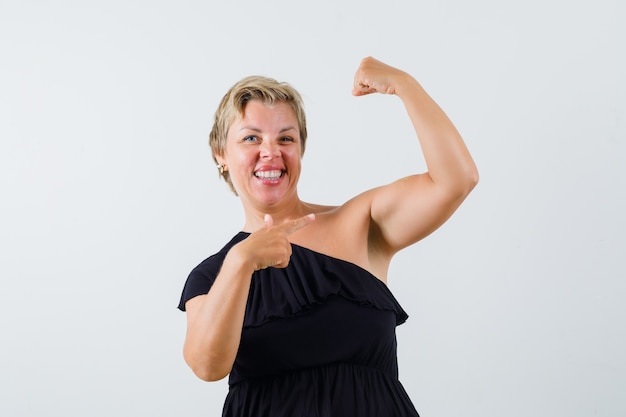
<point>233,104</point>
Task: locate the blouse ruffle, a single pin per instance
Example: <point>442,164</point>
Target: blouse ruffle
<point>309,279</point>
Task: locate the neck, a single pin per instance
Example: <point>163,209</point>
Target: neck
<point>285,211</point>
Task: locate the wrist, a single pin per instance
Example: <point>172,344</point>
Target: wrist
<point>406,85</point>
<point>237,264</point>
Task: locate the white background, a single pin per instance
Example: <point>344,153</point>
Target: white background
<point>109,195</point>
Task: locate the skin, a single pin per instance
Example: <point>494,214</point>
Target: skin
<point>366,230</point>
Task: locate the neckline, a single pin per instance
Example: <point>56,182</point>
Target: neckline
<point>368,273</point>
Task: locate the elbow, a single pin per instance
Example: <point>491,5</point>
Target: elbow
<point>469,177</point>
<point>465,183</point>
<point>207,369</point>
<point>472,178</point>
<point>210,374</point>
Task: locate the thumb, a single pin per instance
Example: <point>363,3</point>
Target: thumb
<point>362,90</point>
<point>268,220</point>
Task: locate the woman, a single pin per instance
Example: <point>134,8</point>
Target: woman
<point>295,307</point>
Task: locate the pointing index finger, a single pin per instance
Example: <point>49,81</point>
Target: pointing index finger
<point>293,225</point>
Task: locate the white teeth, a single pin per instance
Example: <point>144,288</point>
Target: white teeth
<point>268,174</point>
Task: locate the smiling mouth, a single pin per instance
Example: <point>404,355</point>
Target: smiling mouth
<point>269,175</point>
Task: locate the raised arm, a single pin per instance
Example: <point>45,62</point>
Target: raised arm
<point>409,209</point>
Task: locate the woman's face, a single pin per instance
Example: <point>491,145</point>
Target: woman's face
<point>263,152</point>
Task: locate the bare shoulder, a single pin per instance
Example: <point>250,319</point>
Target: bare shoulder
<point>343,232</point>
<point>337,221</point>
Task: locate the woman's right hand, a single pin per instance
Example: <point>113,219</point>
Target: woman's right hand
<point>269,246</point>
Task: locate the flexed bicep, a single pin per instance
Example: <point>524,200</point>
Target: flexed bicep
<point>410,209</point>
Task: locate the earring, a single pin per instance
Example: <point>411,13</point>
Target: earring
<point>220,167</point>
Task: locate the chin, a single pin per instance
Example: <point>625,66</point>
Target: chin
<point>272,197</point>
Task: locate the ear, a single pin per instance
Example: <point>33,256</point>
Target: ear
<point>221,161</point>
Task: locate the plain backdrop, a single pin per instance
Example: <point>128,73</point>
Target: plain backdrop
<point>109,196</point>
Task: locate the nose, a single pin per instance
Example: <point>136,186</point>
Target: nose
<point>269,149</point>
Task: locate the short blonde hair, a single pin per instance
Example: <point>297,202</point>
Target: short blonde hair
<point>233,104</point>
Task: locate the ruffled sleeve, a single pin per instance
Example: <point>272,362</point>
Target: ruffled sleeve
<point>201,278</point>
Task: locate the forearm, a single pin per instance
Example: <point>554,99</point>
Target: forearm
<point>215,324</point>
<point>448,160</point>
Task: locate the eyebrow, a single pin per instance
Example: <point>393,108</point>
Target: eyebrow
<point>256,129</point>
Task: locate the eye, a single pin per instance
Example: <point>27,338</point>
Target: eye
<point>250,138</point>
<point>287,139</point>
